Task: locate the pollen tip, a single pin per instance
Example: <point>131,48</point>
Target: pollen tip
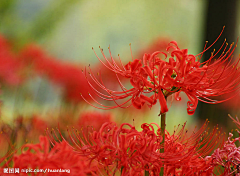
<point>89,65</point>
<point>129,44</point>
<point>118,54</point>
<point>92,48</point>
<point>99,46</point>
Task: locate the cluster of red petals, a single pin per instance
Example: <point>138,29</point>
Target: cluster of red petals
<point>61,156</point>
<point>10,69</point>
<point>227,158</point>
<point>156,76</point>
<point>130,152</point>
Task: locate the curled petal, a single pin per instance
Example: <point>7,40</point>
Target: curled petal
<point>177,97</point>
<point>163,102</point>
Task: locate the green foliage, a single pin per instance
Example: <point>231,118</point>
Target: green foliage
<point>42,23</point>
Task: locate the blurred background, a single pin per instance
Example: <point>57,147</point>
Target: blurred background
<point>44,44</point>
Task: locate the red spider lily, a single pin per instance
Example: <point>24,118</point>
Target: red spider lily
<point>189,154</point>
<point>228,157</point>
<point>126,150</point>
<point>61,156</point>
<point>236,121</point>
<point>154,78</point>
<point>10,69</point>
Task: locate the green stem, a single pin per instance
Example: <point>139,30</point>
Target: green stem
<point>163,125</point>
<point>121,169</point>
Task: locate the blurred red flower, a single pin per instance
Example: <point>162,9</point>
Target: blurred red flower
<point>94,119</point>
<point>67,75</point>
<point>61,156</point>
<point>11,70</point>
<point>159,44</point>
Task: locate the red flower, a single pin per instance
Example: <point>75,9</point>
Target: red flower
<point>228,157</point>
<point>61,156</point>
<point>126,150</point>
<point>10,69</point>
<point>67,75</point>
<point>153,78</point>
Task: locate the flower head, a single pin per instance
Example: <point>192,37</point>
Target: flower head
<point>227,156</point>
<point>61,156</point>
<point>126,150</point>
<point>156,76</point>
